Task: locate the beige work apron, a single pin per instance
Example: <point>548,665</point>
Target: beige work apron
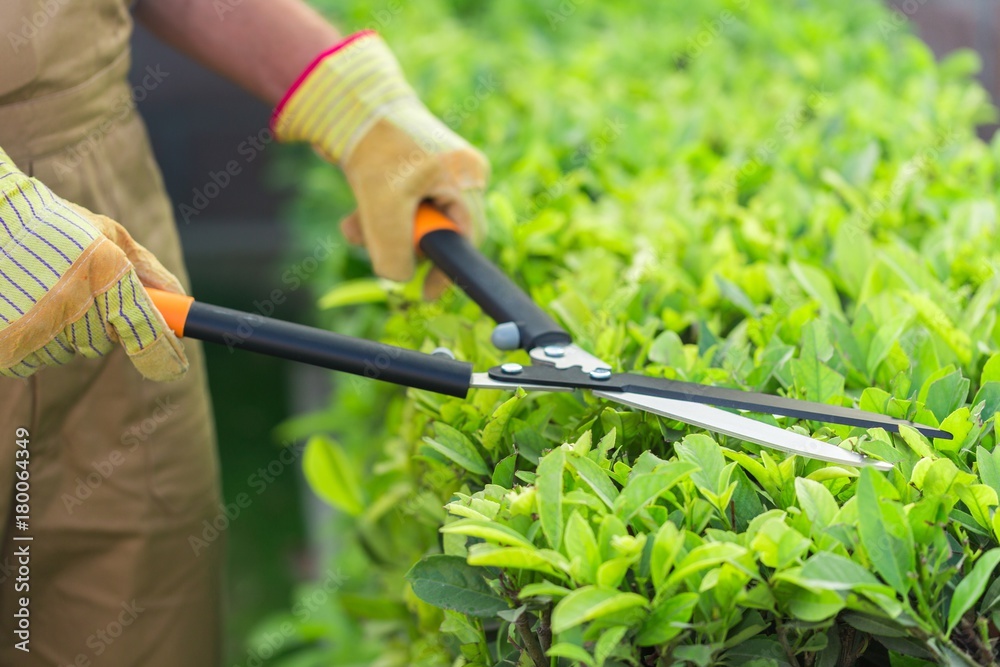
<point>123,470</point>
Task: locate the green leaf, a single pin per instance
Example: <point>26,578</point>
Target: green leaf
<point>580,543</point>
<point>815,379</point>
<point>596,478</point>
<point>571,652</point>
<point>938,322</point>
<point>519,558</point>
<point>497,424</point>
<point>816,501</point>
<point>989,396</point>
<point>778,545</point>
<point>732,293</point>
<point>959,424</point>
<point>328,470</point>
<point>546,588</point>
<point>489,531</point>
<point>991,370</point>
<point>946,394</point>
<point>814,606</point>
<point>885,534</point>
<point>645,488</point>
<point>818,286</point>
<point>589,603</point>
<point>916,441</point>
<point>979,498</point>
<point>667,620</point>
<point>449,582</point>
<point>705,556</point>
<point>836,572</point>
<point>972,587</point>
<point>503,473</point>
<point>667,349</point>
<point>353,293</point>
<point>988,466</point>
<point>457,447</point>
<point>550,495</point>
<point>609,641</point>
<point>704,452</point>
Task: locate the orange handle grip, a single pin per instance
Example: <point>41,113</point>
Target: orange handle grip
<point>428,220</point>
<point>173,307</point>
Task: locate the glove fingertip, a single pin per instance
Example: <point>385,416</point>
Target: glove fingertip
<point>162,361</point>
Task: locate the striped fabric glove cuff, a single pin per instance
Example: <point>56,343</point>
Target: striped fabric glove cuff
<point>346,91</point>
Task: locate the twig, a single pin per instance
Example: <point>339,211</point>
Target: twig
<point>531,645</point>
<point>545,629</point>
<point>782,637</point>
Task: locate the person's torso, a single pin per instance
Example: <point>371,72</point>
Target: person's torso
<point>55,45</point>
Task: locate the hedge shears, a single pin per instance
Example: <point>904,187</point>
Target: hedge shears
<point>558,364</point>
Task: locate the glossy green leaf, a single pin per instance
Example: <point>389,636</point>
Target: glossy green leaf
<point>885,534</point>
<point>454,445</point>
<point>550,495</point>
<point>329,471</point>
<point>450,583</point>
<point>972,587</point>
<point>589,603</point>
<point>645,488</point>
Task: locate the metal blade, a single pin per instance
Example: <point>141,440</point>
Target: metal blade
<point>484,381</point>
<point>727,423</point>
<point>575,366</point>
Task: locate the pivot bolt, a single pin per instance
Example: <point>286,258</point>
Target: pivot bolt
<point>555,351</point>
<point>600,374</point>
<point>511,368</point>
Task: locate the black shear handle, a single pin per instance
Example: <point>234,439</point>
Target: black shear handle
<point>498,296</point>
<point>286,340</point>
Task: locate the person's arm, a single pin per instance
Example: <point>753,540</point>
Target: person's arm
<point>349,99</point>
<point>263,45</point>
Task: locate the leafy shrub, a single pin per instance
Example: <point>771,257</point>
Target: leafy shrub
<point>786,197</point>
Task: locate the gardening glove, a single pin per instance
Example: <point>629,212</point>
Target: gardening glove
<point>356,109</point>
<point>71,282</point>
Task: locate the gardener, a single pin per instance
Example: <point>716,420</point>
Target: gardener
<point>121,447</point>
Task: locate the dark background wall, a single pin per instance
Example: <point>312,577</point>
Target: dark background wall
<point>947,25</point>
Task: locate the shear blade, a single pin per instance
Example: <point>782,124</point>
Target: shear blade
<point>727,423</point>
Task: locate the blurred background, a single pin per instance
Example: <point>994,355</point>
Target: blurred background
<point>198,123</point>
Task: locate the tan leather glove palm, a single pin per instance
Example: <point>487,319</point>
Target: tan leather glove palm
<point>356,108</point>
<point>71,282</point>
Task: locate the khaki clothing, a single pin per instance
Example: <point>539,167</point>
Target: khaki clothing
<point>123,471</point>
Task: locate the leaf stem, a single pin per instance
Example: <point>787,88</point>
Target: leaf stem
<point>545,629</point>
<point>782,633</point>
<point>531,645</point>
